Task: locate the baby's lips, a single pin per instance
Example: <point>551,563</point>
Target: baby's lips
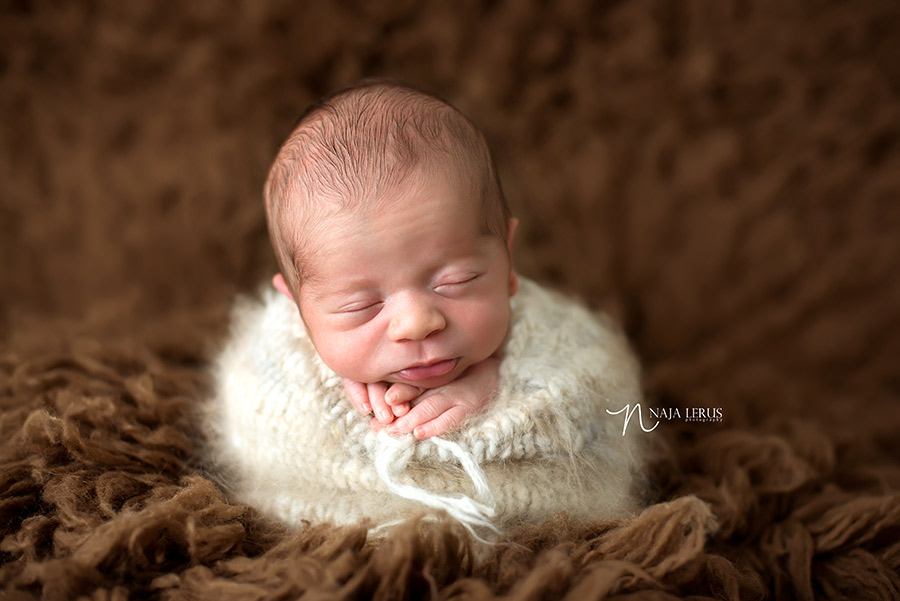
<point>432,370</point>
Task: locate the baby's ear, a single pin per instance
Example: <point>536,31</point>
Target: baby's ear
<point>511,227</point>
<point>281,286</point>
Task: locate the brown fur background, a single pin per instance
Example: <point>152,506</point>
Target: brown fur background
<point>724,177</point>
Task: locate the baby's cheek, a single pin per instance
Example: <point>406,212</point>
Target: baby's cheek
<point>349,357</point>
<point>487,328</point>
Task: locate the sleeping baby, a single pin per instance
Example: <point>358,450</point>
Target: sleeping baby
<point>403,366</point>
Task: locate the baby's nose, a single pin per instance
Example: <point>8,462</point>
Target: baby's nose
<point>415,318</point>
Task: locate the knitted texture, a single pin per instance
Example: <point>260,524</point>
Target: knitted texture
<point>288,441</point>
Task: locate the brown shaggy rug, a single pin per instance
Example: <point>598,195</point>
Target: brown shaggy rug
<point>723,177</point>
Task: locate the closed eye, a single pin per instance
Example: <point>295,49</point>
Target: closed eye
<point>359,307</point>
<point>455,283</point>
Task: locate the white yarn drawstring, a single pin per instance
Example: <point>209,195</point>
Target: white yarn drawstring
<point>392,455</point>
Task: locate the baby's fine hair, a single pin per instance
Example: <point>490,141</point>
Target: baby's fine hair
<point>353,145</point>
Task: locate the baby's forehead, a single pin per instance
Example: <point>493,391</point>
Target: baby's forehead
<point>447,200</point>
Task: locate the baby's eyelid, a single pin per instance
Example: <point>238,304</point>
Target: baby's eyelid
<point>456,281</point>
<point>358,307</point>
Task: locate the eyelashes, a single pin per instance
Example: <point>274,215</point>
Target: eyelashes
<point>455,284</point>
<point>359,307</point>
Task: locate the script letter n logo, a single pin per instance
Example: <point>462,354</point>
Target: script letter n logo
<point>629,412</point>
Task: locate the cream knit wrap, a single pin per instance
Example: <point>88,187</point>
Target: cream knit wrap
<point>287,440</point>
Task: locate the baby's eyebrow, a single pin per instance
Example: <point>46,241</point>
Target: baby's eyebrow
<point>321,292</point>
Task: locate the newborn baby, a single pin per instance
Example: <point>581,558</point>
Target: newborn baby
<point>404,278</point>
<point>399,299</point>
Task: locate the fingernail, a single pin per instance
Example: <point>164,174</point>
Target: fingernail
<point>419,433</point>
<point>367,408</point>
<point>384,415</point>
<point>390,397</point>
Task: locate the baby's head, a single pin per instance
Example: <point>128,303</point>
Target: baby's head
<point>392,236</point>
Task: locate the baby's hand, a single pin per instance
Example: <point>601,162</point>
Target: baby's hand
<point>386,401</point>
<point>443,409</point>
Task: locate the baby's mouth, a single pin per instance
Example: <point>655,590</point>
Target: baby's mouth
<point>425,372</point>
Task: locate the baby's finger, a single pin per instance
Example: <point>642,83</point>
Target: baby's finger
<point>376,425</point>
<point>358,395</point>
<point>424,411</point>
<point>446,421</point>
<point>400,410</point>
<point>400,393</point>
<point>376,397</point>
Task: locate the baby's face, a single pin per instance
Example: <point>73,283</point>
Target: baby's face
<point>413,292</point>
